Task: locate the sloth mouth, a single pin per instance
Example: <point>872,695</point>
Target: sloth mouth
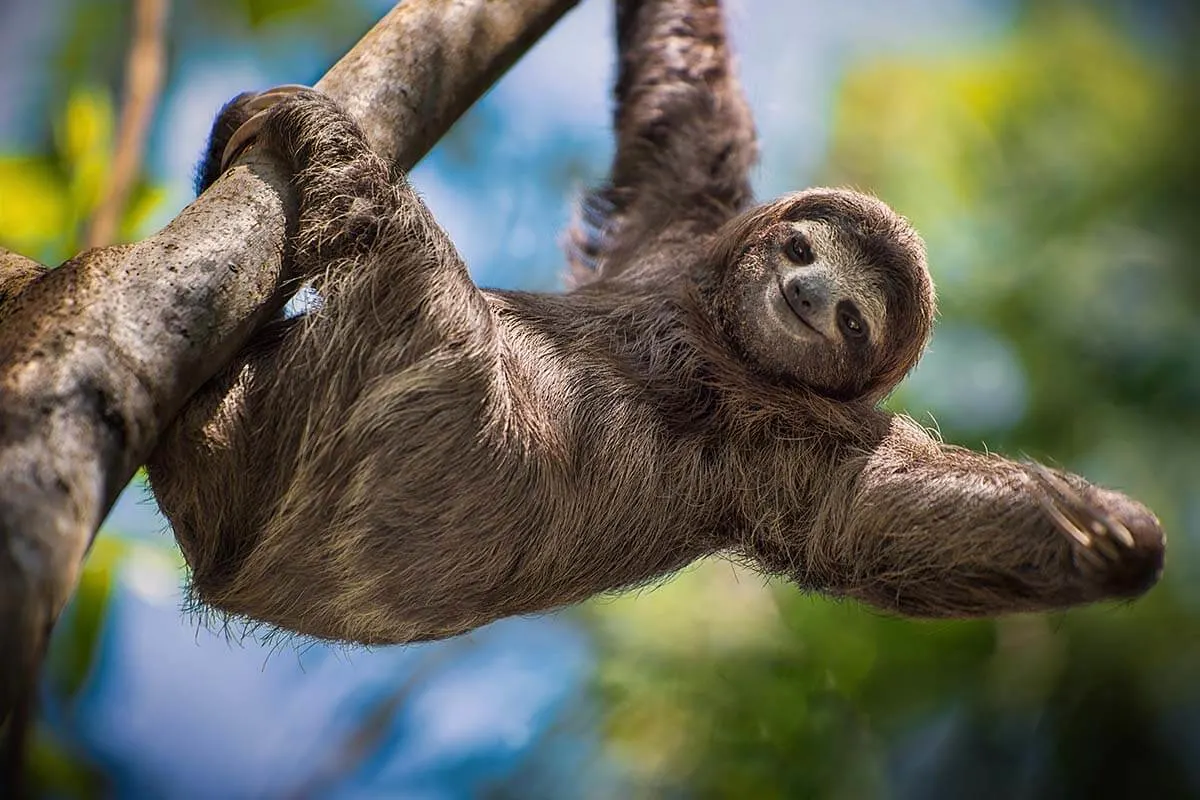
<point>797,313</point>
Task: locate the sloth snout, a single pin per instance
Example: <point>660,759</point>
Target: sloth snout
<point>810,295</point>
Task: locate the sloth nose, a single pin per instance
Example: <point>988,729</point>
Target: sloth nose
<point>808,291</point>
<point>810,296</point>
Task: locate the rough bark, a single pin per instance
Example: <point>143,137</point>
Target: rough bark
<point>97,356</point>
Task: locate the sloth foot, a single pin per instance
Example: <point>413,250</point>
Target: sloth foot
<point>1116,543</point>
<point>257,108</point>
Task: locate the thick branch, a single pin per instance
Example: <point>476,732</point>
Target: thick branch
<point>16,272</point>
<point>97,356</point>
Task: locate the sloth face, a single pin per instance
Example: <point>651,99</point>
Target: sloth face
<point>827,289</point>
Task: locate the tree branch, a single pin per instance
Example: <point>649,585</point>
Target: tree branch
<point>97,356</point>
<point>16,272</point>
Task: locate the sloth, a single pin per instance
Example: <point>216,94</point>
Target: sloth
<point>417,456</point>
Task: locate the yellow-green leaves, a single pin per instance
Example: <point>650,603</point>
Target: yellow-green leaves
<point>46,199</point>
<point>34,208</point>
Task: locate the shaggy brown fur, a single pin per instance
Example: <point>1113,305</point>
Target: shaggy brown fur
<point>418,457</point>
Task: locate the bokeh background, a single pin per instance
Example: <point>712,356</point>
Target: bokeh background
<point>1048,150</point>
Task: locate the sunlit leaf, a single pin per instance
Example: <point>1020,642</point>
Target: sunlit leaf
<point>33,204</point>
<point>86,140</point>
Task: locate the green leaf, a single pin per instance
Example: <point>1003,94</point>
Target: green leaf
<point>34,204</point>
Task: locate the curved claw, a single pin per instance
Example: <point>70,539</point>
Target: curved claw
<point>1101,543</point>
<point>258,107</point>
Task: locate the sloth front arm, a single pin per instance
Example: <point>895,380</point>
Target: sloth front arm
<point>911,525</point>
<point>685,139</point>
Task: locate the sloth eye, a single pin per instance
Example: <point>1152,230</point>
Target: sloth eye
<point>799,251</point>
<point>851,323</point>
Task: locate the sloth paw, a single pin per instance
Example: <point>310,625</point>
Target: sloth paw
<point>1116,543</point>
<point>256,108</point>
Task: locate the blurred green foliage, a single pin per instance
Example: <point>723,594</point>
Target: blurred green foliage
<point>1056,179</point>
<point>46,199</point>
